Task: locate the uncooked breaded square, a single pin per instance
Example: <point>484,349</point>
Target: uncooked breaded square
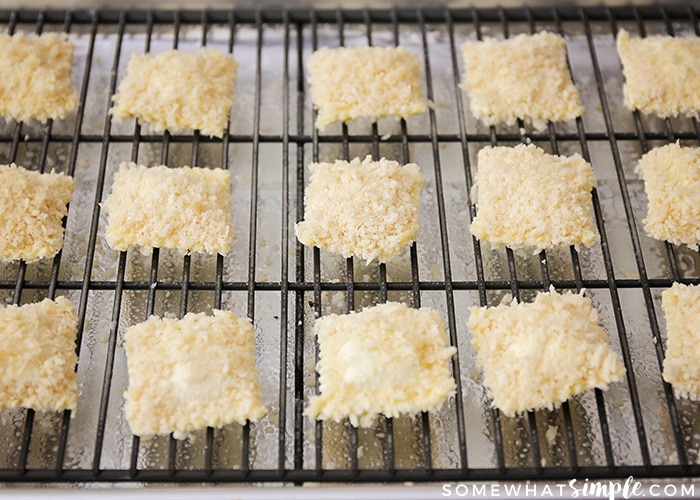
<point>371,82</point>
<point>527,198</point>
<point>175,90</point>
<point>32,208</point>
<point>540,354</point>
<point>190,374</point>
<point>37,356</point>
<point>681,306</point>
<point>366,209</point>
<point>187,208</point>
<point>523,77</point>
<point>36,77</point>
<point>387,359</point>
<point>671,177</point>
<point>662,75</point>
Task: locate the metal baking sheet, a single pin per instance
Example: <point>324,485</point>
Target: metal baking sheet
<point>636,428</point>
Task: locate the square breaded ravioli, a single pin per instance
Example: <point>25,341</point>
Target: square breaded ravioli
<point>538,355</point>
<point>176,90</point>
<point>522,77</point>
<point>387,359</point>
<point>366,209</point>
<point>662,74</point>
<point>372,82</point>
<point>527,198</point>
<point>190,374</point>
<point>671,177</point>
<point>681,306</point>
<point>187,208</point>
<point>32,208</point>
<point>36,77</point>
<point>37,356</point>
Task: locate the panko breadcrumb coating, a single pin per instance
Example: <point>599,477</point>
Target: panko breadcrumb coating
<point>32,208</point>
<point>190,374</point>
<point>372,82</point>
<point>175,90</point>
<point>662,74</point>
<point>538,355</point>
<point>387,359</point>
<point>186,208</point>
<point>522,77</point>
<point>36,77</point>
<point>367,209</point>
<point>37,356</point>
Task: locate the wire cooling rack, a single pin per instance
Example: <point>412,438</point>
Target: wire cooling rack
<point>636,428</point>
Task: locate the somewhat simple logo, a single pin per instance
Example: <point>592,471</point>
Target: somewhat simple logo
<point>601,489</point>
<point>575,488</point>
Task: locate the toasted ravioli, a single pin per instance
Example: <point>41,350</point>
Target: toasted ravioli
<point>681,306</point>
<point>367,209</point>
<point>538,355</point>
<point>32,208</point>
<point>662,74</point>
<point>36,77</point>
<point>176,90</point>
<point>186,208</point>
<point>192,373</point>
<point>37,356</point>
<point>387,359</point>
<point>515,210</point>
<point>671,177</point>
<point>522,77</point>
<point>372,82</point>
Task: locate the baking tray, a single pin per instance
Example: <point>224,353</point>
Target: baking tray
<point>636,428</point>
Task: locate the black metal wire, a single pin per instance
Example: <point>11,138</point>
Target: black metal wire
<point>155,256</point>
<point>299,274</point>
<point>347,476</point>
<point>626,353</point>
<point>353,436</point>
<point>284,264</point>
<point>512,270</point>
<point>303,139</point>
<point>107,377</point>
<point>327,286</point>
<point>445,246</point>
<point>670,252</point>
<point>415,278</point>
<point>301,29</point>
<point>476,244</point>
<point>389,458</point>
<point>21,272</point>
<point>318,425</point>
<point>546,280</point>
<point>304,15</point>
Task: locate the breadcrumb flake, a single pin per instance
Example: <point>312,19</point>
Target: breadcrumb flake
<point>387,359</point>
<point>36,77</point>
<point>37,356</point>
<point>681,306</point>
<point>175,90</point>
<point>527,198</point>
<point>186,208</point>
<point>192,373</point>
<point>366,209</point>
<point>372,82</point>
<point>671,177</point>
<point>522,77</point>
<point>662,74</point>
<point>32,208</point>
<point>538,355</point>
